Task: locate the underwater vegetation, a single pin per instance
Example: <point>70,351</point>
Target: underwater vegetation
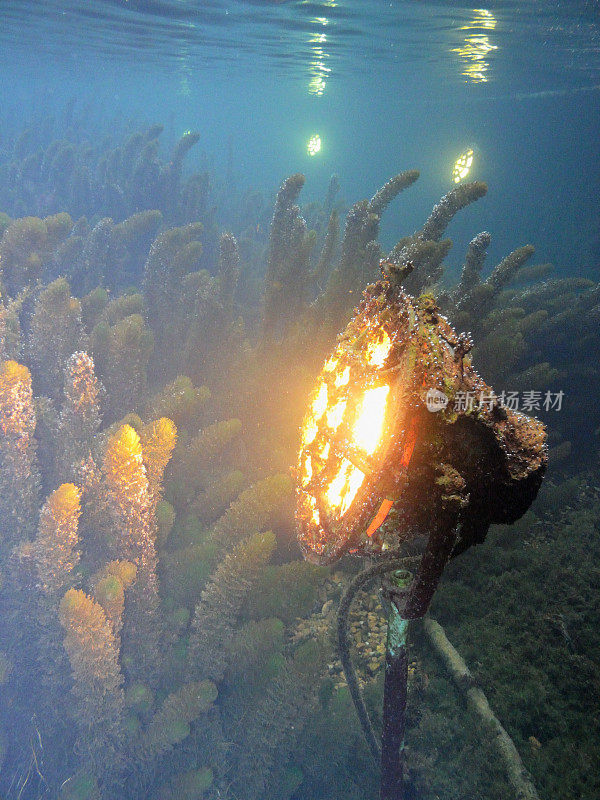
<point>91,175</point>
<point>154,368</point>
<point>132,673</point>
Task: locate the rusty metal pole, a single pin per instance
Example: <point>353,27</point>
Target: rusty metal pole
<point>394,694</point>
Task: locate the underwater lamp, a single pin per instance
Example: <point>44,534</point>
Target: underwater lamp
<point>356,426</point>
<point>388,431</point>
<point>403,443</point>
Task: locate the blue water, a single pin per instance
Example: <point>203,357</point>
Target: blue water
<point>387,85</point>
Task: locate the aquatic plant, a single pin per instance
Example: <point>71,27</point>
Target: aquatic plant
<point>108,587</point>
<point>130,536</point>
<point>42,175</point>
<point>55,547</point>
<point>55,332</point>
<point>122,352</point>
<point>26,245</point>
<point>109,254</point>
<point>79,421</point>
<point>97,681</point>
<point>18,469</point>
<point>221,602</point>
<point>174,254</point>
<point>360,251</point>
<point>10,328</point>
<point>286,280</point>
<point>158,439</point>
<point>213,326</point>
<point>101,535</point>
<point>182,402</point>
<point>171,723</point>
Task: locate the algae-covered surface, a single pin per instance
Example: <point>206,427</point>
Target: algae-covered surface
<point>193,197</point>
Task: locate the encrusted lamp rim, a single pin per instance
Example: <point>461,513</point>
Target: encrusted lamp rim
<point>425,353</point>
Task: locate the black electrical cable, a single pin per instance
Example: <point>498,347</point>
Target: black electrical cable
<point>355,585</point>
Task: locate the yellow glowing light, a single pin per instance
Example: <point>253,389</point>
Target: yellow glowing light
<point>320,402</point>
<point>483,19</point>
<point>315,511</point>
<point>343,378</point>
<point>318,69</point>
<point>462,166</point>
<point>377,352</point>
<point>355,479</point>
<point>309,433</point>
<point>308,473</point>
<point>369,423</point>
<point>324,464</point>
<point>314,145</point>
<point>343,488</point>
<point>333,495</point>
<point>324,452</point>
<point>475,48</point>
<point>335,414</point>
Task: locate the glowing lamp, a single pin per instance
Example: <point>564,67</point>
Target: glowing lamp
<point>386,431</point>
<point>354,427</point>
<point>403,443</point>
<point>314,145</point>
<point>462,166</point>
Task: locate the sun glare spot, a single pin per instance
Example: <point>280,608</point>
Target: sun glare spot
<point>462,166</point>
<point>476,46</point>
<point>314,145</point>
